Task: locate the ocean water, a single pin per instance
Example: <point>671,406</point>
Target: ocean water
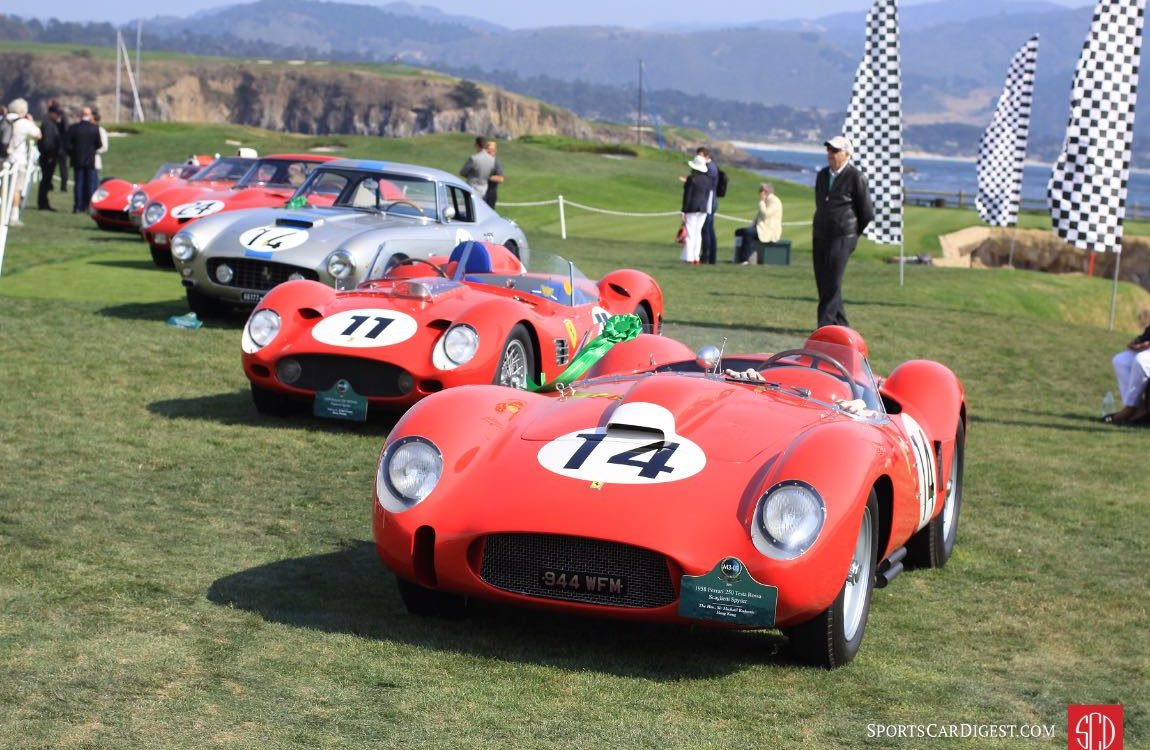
<point>926,177</point>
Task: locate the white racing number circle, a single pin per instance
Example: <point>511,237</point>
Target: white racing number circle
<point>196,209</point>
<point>925,473</point>
<point>365,328</point>
<point>622,457</point>
<point>272,238</point>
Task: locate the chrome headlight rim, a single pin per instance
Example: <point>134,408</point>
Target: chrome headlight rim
<point>154,212</point>
<point>137,201</point>
<point>340,264</point>
<point>766,534</point>
<point>460,351</point>
<point>101,194</point>
<point>401,454</point>
<point>262,327</point>
<point>184,247</point>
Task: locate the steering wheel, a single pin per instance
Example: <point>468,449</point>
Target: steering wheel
<point>841,373</point>
<point>406,202</point>
<point>412,261</point>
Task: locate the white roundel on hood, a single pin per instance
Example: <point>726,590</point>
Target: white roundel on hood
<point>196,209</point>
<point>641,448</point>
<point>271,238</point>
<point>365,328</point>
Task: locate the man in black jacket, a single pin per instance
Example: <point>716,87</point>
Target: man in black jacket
<point>83,143</point>
<point>842,211</point>
<point>50,145</point>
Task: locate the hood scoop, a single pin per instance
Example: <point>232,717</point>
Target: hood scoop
<point>292,221</point>
<point>641,419</point>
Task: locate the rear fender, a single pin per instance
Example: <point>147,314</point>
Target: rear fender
<point>626,288</point>
<point>928,391</point>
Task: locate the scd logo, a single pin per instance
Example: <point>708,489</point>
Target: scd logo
<point>1094,727</point>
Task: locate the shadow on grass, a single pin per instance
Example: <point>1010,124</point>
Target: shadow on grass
<point>1079,423</point>
<point>237,408</point>
<point>144,264</point>
<point>161,311</point>
<point>349,591</point>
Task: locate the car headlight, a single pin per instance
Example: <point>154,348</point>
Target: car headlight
<point>460,344</point>
<point>99,195</point>
<point>407,473</point>
<point>788,519</point>
<point>138,200</point>
<point>153,213</point>
<point>340,264</point>
<point>262,327</point>
<point>183,247</point>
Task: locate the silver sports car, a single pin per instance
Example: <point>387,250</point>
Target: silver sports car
<point>348,216</point>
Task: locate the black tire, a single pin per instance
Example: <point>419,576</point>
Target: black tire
<point>426,602</point>
<point>932,546</point>
<point>206,307</point>
<point>644,318</point>
<point>162,257</point>
<point>833,637</point>
<point>271,403</point>
<point>516,368</point>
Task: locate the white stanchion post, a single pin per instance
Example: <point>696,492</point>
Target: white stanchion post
<point>6,179</point>
<point>562,220</point>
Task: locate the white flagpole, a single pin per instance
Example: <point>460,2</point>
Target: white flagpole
<point>1114,290</point>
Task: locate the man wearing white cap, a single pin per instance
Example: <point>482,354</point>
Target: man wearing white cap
<point>25,133</point>
<point>842,211</point>
<point>696,199</point>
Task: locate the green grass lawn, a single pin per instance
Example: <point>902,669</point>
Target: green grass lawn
<point>177,571</point>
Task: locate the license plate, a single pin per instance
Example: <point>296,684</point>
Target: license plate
<point>161,239</point>
<point>588,583</point>
<point>252,296</point>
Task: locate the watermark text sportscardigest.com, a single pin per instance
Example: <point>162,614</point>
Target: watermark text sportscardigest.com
<point>939,730</point>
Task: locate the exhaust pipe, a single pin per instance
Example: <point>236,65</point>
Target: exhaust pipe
<point>889,568</point>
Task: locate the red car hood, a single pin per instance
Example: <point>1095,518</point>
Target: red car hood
<point>718,416</point>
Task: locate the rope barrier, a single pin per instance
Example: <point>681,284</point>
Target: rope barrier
<point>627,214</point>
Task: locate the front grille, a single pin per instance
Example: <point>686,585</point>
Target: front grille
<point>112,215</point>
<point>320,372</point>
<point>257,274</point>
<point>517,563</point>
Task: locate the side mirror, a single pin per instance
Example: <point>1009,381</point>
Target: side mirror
<point>708,357</point>
<point>449,213</point>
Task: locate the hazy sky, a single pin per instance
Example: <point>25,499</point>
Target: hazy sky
<point>511,13</point>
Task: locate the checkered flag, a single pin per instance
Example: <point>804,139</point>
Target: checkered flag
<point>874,121</point>
<point>1087,189</point>
<point>1002,149</point>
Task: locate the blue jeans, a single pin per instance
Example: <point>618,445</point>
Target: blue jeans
<point>85,180</point>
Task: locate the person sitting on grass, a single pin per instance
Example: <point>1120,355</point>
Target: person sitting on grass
<point>1132,369</point>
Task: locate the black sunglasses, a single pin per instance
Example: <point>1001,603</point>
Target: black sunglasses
<point>833,150</point>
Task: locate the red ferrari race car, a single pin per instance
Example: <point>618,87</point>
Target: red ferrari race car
<point>756,491</point>
<point>419,326</point>
<point>110,202</point>
<point>269,181</point>
<point>224,171</point>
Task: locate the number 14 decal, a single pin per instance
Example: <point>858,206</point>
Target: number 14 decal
<point>649,469</point>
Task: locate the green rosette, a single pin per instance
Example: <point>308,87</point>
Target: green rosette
<point>297,202</point>
<point>617,329</point>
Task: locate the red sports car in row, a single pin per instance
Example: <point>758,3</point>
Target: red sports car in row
<point>419,326</point>
<point>752,491</point>
<point>268,181</point>
<point>111,201</point>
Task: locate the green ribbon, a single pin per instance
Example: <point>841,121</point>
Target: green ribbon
<point>297,202</point>
<point>617,329</point>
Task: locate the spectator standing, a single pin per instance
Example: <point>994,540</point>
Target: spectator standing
<point>103,146</point>
<point>768,225</point>
<point>478,167</point>
<point>710,242</point>
<point>83,143</point>
<point>1132,369</point>
<point>62,126</point>
<point>842,211</point>
<point>495,178</point>
<point>696,190</point>
<point>21,143</point>
<point>50,145</point>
